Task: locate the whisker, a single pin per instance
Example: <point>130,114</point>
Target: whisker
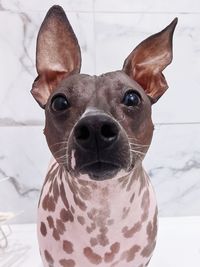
<point>59,143</point>
<point>137,155</point>
<point>62,160</point>
<point>138,145</point>
<point>137,152</point>
<point>62,156</point>
<point>60,150</point>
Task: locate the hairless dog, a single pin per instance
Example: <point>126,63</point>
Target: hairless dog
<point>97,205</point>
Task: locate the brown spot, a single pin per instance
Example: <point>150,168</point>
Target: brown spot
<point>102,238</point>
<point>145,206</point>
<point>60,227</point>
<point>132,198</point>
<point>48,257</point>
<point>105,192</point>
<point>151,233</point>
<point>109,256</point>
<point>142,182</point>
<point>56,234</point>
<point>66,215</point>
<point>128,233</point>
<point>45,202</point>
<point>43,229</point>
<point>147,263</point>
<point>50,221</point>
<point>91,256</point>
<point>50,187</point>
<point>130,254</point>
<point>55,190</point>
<point>92,214</point>
<point>68,247</point>
<point>110,222</point>
<point>146,252</point>
<point>145,200</point>
<point>63,196</point>
<point>81,220</point>
<point>67,263</point>
<point>93,241</point>
<point>72,209</point>
<point>125,212</point>
<point>51,204</point>
<point>91,228</point>
<point>71,217</point>
<point>115,247</point>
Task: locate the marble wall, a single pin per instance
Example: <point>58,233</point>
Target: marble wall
<point>107,32</point>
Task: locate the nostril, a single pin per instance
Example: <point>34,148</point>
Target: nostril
<point>109,131</point>
<point>82,133</point>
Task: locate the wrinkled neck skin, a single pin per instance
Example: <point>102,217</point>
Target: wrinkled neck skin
<point>107,223</point>
<point>110,193</point>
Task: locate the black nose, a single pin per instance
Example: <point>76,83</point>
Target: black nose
<point>96,132</point>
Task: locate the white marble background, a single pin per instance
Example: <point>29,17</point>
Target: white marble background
<point>107,32</point>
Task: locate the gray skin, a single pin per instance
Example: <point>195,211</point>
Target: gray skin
<point>95,132</point>
<point>106,94</point>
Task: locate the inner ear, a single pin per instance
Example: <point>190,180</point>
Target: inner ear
<point>147,61</point>
<point>57,54</point>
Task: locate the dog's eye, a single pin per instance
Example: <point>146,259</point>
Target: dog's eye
<point>131,98</point>
<point>59,103</point>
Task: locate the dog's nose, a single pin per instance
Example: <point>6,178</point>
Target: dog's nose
<point>96,132</point>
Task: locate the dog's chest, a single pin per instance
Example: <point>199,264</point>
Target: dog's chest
<point>81,224</point>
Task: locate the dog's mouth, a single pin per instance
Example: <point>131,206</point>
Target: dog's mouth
<point>100,170</point>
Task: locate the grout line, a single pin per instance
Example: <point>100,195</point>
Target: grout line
<point>39,124</point>
<point>111,11</point>
<point>147,12</point>
<point>177,123</point>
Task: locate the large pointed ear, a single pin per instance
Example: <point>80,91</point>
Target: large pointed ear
<point>147,61</point>
<point>57,54</point>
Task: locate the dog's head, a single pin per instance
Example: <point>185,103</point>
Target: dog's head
<point>97,125</point>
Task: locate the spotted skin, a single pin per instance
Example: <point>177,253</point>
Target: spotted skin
<point>97,206</point>
<point>97,231</point>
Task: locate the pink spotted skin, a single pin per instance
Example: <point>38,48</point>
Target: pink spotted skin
<point>97,205</point>
<point>97,223</point>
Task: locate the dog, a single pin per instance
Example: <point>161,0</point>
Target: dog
<point>97,205</point>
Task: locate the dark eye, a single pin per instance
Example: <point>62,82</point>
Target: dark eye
<point>59,103</point>
<point>131,98</point>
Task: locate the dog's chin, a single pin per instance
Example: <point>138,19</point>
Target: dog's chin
<point>100,171</point>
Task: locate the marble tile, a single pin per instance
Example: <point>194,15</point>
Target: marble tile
<point>173,163</point>
<point>146,6</point>
<point>177,243</point>
<point>24,158</point>
<point>22,249</point>
<point>18,31</point>
<point>173,247</point>
<point>118,34</point>
<point>23,5</point>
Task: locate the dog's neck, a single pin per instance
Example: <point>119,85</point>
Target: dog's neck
<point>117,194</point>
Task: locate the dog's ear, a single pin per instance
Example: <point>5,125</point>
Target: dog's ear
<point>147,61</point>
<point>57,54</point>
